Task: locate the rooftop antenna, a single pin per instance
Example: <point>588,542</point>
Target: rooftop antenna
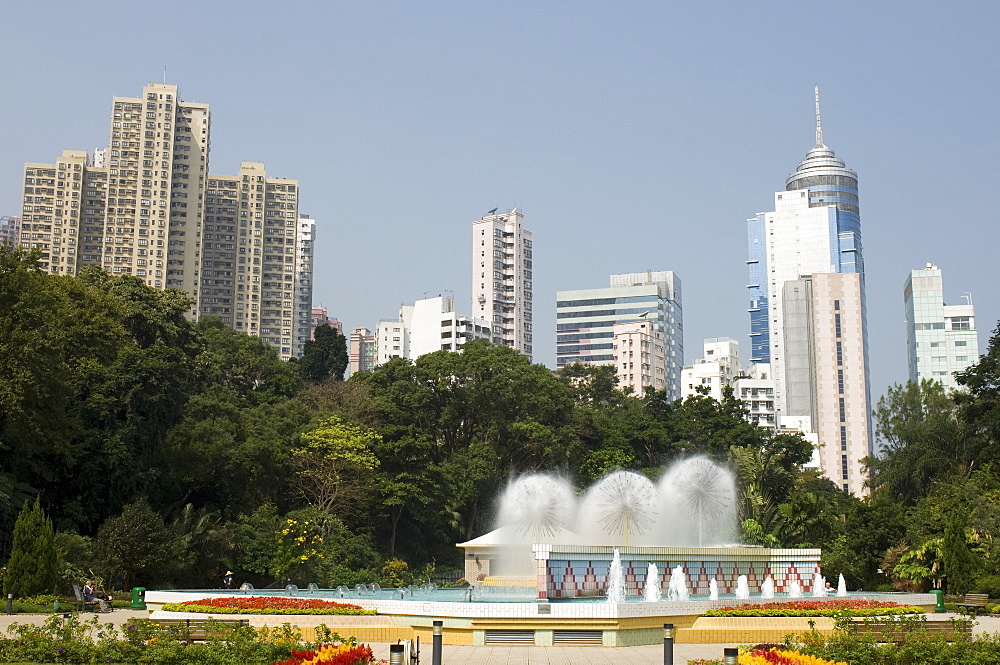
<point>968,297</point>
<point>819,126</point>
<point>164,74</point>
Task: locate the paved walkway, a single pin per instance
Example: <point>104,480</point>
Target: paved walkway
<point>504,655</point>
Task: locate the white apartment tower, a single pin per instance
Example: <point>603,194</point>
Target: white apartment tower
<point>940,339</point>
<point>502,278</point>
<point>305,240</point>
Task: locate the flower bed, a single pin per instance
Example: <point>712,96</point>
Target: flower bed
<point>328,654</point>
<point>781,657</point>
<point>266,605</point>
<point>817,608</point>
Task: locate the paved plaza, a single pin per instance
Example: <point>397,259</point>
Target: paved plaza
<point>504,655</point>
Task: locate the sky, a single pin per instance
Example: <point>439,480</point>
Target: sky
<point>632,135</point>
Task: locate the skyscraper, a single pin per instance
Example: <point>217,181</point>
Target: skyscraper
<point>807,308</point>
<point>586,319</point>
<point>305,239</point>
<point>940,339</point>
<point>502,278</point>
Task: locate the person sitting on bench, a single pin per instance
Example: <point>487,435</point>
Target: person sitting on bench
<point>90,596</point>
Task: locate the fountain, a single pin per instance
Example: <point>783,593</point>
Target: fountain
<point>677,588</point>
<point>795,589</point>
<point>713,589</point>
<point>767,587</point>
<point>550,543</point>
<point>841,586</point>
<point>652,592</point>
<point>819,585</point>
<point>616,580</point>
<point>742,587</point>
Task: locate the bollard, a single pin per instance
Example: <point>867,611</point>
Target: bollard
<point>436,645</point>
<point>731,656</point>
<point>668,644</point>
<point>10,603</point>
<point>396,654</point>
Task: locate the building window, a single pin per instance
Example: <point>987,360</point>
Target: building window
<point>843,466</point>
<point>843,437</point>
<point>843,411</point>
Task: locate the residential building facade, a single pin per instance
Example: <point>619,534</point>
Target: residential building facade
<point>10,230</point>
<point>361,354</point>
<point>502,278</point>
<point>940,339</point>
<point>586,319</point>
<point>756,390</point>
<point>639,357</point>
<point>717,370</point>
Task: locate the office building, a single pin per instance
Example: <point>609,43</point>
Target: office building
<point>717,370</point>
<point>639,357</point>
<point>502,278</point>
<point>806,274</point>
<point>10,230</point>
<point>305,240</point>
<point>586,319</point>
<point>940,339</point>
<point>362,351</point>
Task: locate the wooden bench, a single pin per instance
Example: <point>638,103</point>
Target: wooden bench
<point>199,630</point>
<point>891,633</point>
<point>974,601</point>
<point>82,603</point>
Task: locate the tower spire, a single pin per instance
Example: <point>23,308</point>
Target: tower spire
<point>819,125</point>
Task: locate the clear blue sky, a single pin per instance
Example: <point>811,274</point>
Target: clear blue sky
<point>633,135</point>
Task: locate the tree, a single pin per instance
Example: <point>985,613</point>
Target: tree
<point>135,546</point>
<point>325,356</point>
<point>331,463</point>
<point>32,566</point>
<point>922,439</point>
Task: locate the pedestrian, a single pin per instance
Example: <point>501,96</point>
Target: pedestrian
<point>227,580</point>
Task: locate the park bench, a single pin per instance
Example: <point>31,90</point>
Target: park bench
<point>974,601</point>
<point>82,603</point>
<point>199,630</point>
<point>891,632</point>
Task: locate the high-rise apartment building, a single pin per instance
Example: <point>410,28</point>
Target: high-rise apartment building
<point>940,339</point>
<point>805,261</point>
<point>147,207</point>
<point>639,357</point>
<point>756,390</point>
<point>717,370</point>
<point>502,278</point>
<point>305,238</point>
<point>10,230</point>
<point>249,268</point>
<point>320,316</point>
<point>586,319</point>
<point>427,326</point>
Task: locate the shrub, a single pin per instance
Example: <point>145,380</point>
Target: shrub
<point>32,566</point>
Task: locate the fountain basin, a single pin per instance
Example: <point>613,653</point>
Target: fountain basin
<point>576,571</point>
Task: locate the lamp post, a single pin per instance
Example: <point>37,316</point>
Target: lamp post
<point>731,656</point>
<point>396,654</point>
<point>436,645</point>
<point>668,644</point>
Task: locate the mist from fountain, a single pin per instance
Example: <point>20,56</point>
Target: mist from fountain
<point>713,590</point>
<point>841,586</point>
<point>819,586</point>
<point>652,591</point>
<point>742,587</point>
<point>677,587</point>
<point>767,587</point>
<point>795,589</point>
<point>616,579</point>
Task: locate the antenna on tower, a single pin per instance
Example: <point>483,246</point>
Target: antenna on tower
<point>164,74</point>
<point>819,125</point>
